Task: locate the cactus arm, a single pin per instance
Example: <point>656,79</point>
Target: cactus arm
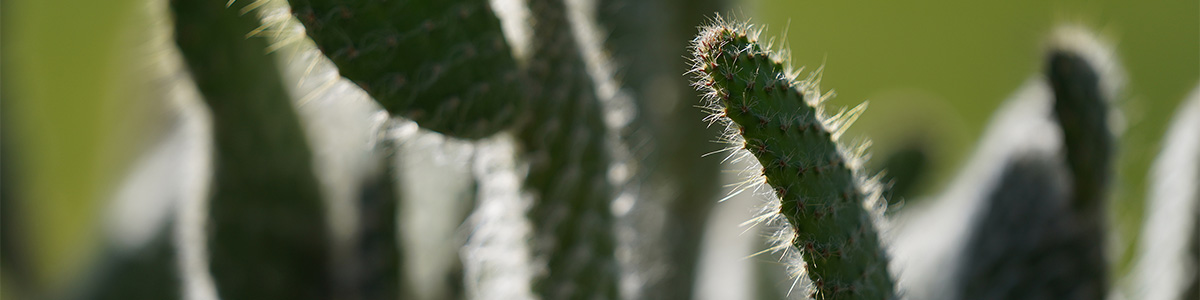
<point>377,252</point>
<point>906,168</point>
<point>778,120</point>
<point>267,238</point>
<point>1044,238</point>
<point>565,144</point>
<point>1082,108</point>
<point>147,272</point>
<point>1085,77</point>
<point>1001,260</point>
<point>641,35</point>
<point>1168,258</point>
<point>444,64</point>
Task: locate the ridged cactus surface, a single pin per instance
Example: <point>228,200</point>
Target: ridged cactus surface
<point>444,64</point>
<point>780,121</point>
<point>565,144</point>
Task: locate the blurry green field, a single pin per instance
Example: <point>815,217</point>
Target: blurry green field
<point>935,70</point>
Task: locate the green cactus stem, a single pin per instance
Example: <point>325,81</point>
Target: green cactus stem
<point>565,144</point>
<point>147,272</point>
<point>444,64</point>
<point>1007,257</point>
<point>641,35</point>
<point>1083,88</point>
<point>1042,235</point>
<point>377,252</point>
<point>779,120</point>
<point>267,236</point>
<point>1082,108</point>
<point>1084,85</point>
<point>906,168</point>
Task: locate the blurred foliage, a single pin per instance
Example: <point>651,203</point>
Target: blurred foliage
<point>66,70</point>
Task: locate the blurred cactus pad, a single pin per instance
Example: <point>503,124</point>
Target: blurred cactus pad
<point>599,149</point>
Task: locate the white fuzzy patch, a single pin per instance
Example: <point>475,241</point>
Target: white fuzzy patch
<point>192,212</point>
<point>515,24</point>
<point>497,259</point>
<point>437,182</point>
<point>1164,267</point>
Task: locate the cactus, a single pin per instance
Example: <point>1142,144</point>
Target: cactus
<point>779,120</point>
<point>1043,239</point>
<point>148,272</point>
<point>377,252</point>
<point>1168,264</point>
<point>641,35</point>
<point>15,263</point>
<point>358,35</point>
<point>1020,219</point>
<point>444,64</point>
<point>1081,104</point>
<point>296,212</point>
<point>905,168</point>
<point>267,236</point>
<point>565,144</point>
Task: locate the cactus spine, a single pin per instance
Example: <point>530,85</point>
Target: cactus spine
<point>267,238</point>
<point>780,121</point>
<point>443,64</point>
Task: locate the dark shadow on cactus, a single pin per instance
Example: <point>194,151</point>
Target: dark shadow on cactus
<point>566,144</point>
<point>19,277</point>
<point>647,39</point>
<point>377,273</point>
<point>148,272</point>
<point>1082,111</point>
<point>267,237</point>
<point>1193,289</point>
<point>1028,246</point>
<point>906,170</point>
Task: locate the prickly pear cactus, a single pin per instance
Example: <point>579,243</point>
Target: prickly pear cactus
<point>266,232</point>
<point>641,36</point>
<point>444,64</point>
<point>1042,233</point>
<point>1168,263</point>
<point>778,119</point>
<point>565,143</point>
<point>1081,104</point>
